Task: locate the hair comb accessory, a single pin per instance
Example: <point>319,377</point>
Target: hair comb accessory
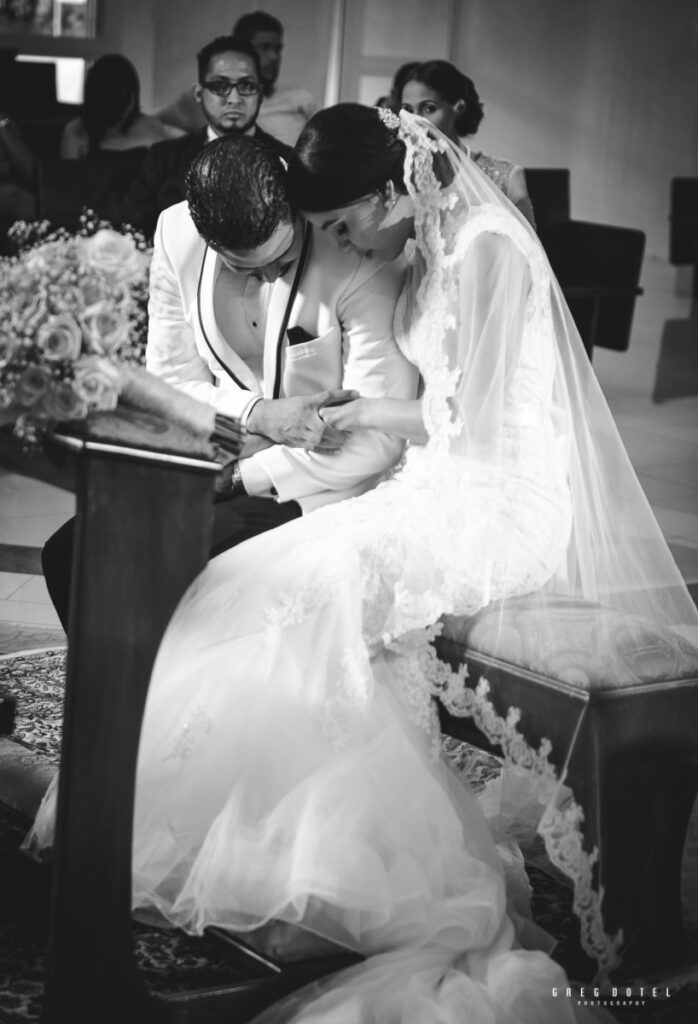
<point>389,118</point>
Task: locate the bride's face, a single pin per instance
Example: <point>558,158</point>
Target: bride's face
<point>375,225</point>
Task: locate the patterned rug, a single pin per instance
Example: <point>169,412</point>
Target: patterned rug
<point>173,961</point>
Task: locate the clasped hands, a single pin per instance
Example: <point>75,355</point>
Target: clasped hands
<point>304,421</point>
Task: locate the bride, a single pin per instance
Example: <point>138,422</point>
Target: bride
<point>289,767</point>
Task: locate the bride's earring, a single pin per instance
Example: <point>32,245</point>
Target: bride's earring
<point>389,197</point>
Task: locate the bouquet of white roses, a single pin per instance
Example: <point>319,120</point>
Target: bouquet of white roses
<point>72,314</point>
<point>73,327</point>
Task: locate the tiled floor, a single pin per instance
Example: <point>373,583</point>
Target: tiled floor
<point>661,437</point>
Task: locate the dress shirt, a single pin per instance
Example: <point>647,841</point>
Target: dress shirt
<point>240,306</point>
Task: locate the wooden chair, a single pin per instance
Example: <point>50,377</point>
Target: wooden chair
<point>598,267</point>
<point>66,187</point>
<point>683,225</point>
<point>549,190</point>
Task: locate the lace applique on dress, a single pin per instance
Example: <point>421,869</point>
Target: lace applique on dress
<point>189,735</point>
<point>561,823</point>
<point>349,698</point>
<point>292,607</point>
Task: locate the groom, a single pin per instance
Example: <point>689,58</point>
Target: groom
<point>258,315</point>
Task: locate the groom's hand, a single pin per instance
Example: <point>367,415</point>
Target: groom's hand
<point>296,421</point>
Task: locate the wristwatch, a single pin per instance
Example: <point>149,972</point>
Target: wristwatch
<point>237,487</point>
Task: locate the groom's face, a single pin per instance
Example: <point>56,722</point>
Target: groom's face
<point>270,260</point>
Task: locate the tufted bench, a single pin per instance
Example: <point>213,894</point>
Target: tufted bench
<point>634,762</point>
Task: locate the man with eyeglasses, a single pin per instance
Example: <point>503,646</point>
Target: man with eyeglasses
<point>285,108</point>
<point>229,94</point>
<point>261,317</point>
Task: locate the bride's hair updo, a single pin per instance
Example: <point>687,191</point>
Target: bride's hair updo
<point>344,153</point>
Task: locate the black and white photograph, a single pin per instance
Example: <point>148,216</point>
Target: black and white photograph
<point>348,512</point>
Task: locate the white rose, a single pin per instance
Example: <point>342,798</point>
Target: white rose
<point>97,382</point>
<point>57,257</point>
<point>60,337</point>
<point>31,385</point>
<point>62,402</point>
<point>8,346</point>
<point>105,327</point>
<point>114,255</point>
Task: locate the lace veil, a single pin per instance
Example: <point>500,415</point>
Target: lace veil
<point>494,317</point>
<point>509,391</point>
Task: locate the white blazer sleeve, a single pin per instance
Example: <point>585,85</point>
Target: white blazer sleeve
<point>375,367</point>
<point>171,351</point>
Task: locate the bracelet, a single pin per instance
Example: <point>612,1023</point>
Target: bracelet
<point>5,121</point>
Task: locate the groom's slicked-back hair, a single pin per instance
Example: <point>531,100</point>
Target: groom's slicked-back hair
<point>344,153</point>
<point>237,194</point>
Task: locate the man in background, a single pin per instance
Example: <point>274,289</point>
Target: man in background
<point>228,94</point>
<point>284,109</point>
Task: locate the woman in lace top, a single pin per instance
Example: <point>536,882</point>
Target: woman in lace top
<point>446,97</point>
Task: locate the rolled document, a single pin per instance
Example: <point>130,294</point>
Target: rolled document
<point>143,391</point>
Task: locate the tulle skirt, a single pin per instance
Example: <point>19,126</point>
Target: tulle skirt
<point>287,773</point>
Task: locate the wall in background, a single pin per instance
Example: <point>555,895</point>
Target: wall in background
<point>609,90</point>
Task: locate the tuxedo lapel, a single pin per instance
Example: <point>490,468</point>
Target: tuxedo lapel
<point>224,354</point>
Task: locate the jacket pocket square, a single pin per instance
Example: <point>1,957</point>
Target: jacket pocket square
<point>297,335</point>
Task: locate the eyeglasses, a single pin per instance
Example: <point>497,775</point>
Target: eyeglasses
<point>224,87</point>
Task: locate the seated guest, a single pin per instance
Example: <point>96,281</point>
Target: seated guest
<point>229,93</point>
<point>17,200</point>
<point>393,98</point>
<point>284,109</point>
<point>111,119</point>
<point>446,97</point>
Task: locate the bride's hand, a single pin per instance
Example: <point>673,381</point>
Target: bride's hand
<point>345,416</point>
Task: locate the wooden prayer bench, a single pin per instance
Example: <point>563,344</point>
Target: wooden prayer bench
<point>634,763</point>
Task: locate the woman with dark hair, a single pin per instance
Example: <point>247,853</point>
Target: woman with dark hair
<point>290,767</point>
<point>448,99</point>
<point>111,119</point>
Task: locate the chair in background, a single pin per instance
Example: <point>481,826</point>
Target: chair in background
<point>598,267</point>
<point>683,225</point>
<point>549,189</point>
<point>99,183</point>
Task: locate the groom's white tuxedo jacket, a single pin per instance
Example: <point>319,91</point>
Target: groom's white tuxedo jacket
<point>345,303</point>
